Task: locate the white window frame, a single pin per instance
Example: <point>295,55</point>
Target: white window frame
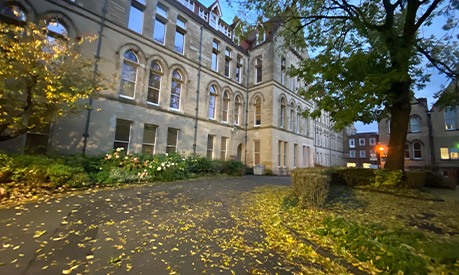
<point>361,141</point>
<point>351,143</point>
<point>128,142</point>
<point>372,141</point>
<point>352,154</point>
<point>362,154</point>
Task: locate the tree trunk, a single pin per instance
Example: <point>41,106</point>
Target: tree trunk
<point>400,116</point>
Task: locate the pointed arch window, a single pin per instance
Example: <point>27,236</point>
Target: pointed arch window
<point>176,89</point>
<point>225,107</point>
<point>237,110</point>
<point>257,107</point>
<point>298,119</point>
<point>292,117</point>
<point>129,75</point>
<point>154,83</point>
<point>415,124</point>
<point>212,97</point>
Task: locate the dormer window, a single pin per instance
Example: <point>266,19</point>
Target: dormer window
<point>214,20</point>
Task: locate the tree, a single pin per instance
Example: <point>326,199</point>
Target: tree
<point>42,78</point>
<point>369,56</point>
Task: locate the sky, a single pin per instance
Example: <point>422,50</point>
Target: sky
<point>435,84</point>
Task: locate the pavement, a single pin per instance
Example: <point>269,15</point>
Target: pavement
<point>191,227</point>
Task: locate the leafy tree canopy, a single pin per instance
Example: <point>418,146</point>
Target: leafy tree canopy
<point>41,78</point>
<point>369,55</point>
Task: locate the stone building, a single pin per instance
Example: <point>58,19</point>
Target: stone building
<point>186,84</point>
<point>362,150</point>
<point>432,139</point>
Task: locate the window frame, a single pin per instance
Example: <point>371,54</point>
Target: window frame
<point>351,143</point>
<point>212,95</point>
<point>141,8</point>
<point>210,142</point>
<point>128,141</point>
<point>258,69</point>
<point>224,149</point>
<point>181,82</point>
<point>225,106</point>
<point>161,18</point>
<point>362,154</point>
<point>361,141</point>
<point>257,111</point>
<point>160,74</point>
<point>177,133</point>
<point>131,63</point>
<point>414,150</point>
<point>155,127</point>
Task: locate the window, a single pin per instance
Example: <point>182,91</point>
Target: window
<point>298,118</point>
<point>415,125</point>
<point>149,139</point>
<point>203,14</point>
<point>292,83</point>
<point>407,151</point>
<point>279,153</point>
<point>215,52</point>
<point>297,84</point>
<point>283,112</point>
<point>176,89</point>
<point>361,141</point>
<point>372,141</point>
<point>223,148</point>
<point>225,106</point>
<point>449,153</point>
<point>213,20</point>
<point>13,12</point>
<point>212,95</point>
<point>172,140</point>
<point>352,143</point>
<point>444,153</point>
<point>237,110</point>
<point>56,30</point>
<point>450,119</point>
<point>160,24</point>
<point>417,150</point>
<point>187,3</point>
<point>283,70</point>
<point>295,148</point>
<point>256,152</point>
<point>210,146</point>
<point>257,107</point>
<point>352,154</point>
<point>154,83</point>
<point>129,75</point>
<point>292,117</point>
<point>388,126</point>
<point>362,154</point>
<point>258,69</point>
<point>122,134</point>
<point>285,153</point>
<point>227,62</point>
<point>179,36</point>
<point>238,76</point>
<point>135,22</point>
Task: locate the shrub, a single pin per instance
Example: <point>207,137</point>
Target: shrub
<point>414,179</point>
<point>354,176</point>
<point>387,178</point>
<point>436,180</point>
<point>59,174</point>
<point>6,167</point>
<point>311,189</point>
<point>200,165</point>
<point>233,167</point>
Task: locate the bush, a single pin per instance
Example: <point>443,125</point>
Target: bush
<point>436,180</point>
<point>387,178</point>
<point>233,168</point>
<point>311,189</point>
<point>354,176</point>
<point>200,165</point>
<point>59,174</point>
<point>6,167</point>
<point>414,179</point>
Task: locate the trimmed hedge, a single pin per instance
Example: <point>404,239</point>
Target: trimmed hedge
<point>310,188</point>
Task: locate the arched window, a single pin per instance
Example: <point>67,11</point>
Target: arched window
<point>257,106</point>
<point>13,12</point>
<point>225,107</point>
<point>212,96</point>
<point>306,126</point>
<point>176,89</point>
<point>292,116</point>
<point>298,119</point>
<point>283,112</point>
<point>154,83</point>
<point>237,110</point>
<point>129,75</point>
<point>415,124</point>
<point>417,150</point>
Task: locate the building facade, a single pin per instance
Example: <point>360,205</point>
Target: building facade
<point>432,139</point>
<point>186,84</point>
<point>362,150</point>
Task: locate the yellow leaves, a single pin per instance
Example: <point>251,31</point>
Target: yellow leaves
<point>39,233</point>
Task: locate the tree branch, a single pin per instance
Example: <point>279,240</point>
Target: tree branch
<point>439,65</point>
<point>428,12</point>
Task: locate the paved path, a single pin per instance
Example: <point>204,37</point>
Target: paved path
<point>184,228</point>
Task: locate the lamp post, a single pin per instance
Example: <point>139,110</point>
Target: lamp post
<point>382,154</point>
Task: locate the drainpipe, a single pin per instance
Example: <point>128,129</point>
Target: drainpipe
<point>197,96</point>
<point>96,69</point>
<point>246,115</point>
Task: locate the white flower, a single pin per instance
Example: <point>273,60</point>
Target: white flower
<point>126,157</point>
<point>119,149</point>
<point>168,165</point>
<point>159,168</point>
<point>172,164</point>
<point>162,164</point>
<point>145,170</point>
<point>100,168</point>
<point>167,154</point>
<point>117,157</point>
<point>149,166</point>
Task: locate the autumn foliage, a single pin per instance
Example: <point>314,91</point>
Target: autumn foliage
<point>42,78</point>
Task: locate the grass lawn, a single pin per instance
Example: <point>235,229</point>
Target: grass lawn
<point>407,233</point>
